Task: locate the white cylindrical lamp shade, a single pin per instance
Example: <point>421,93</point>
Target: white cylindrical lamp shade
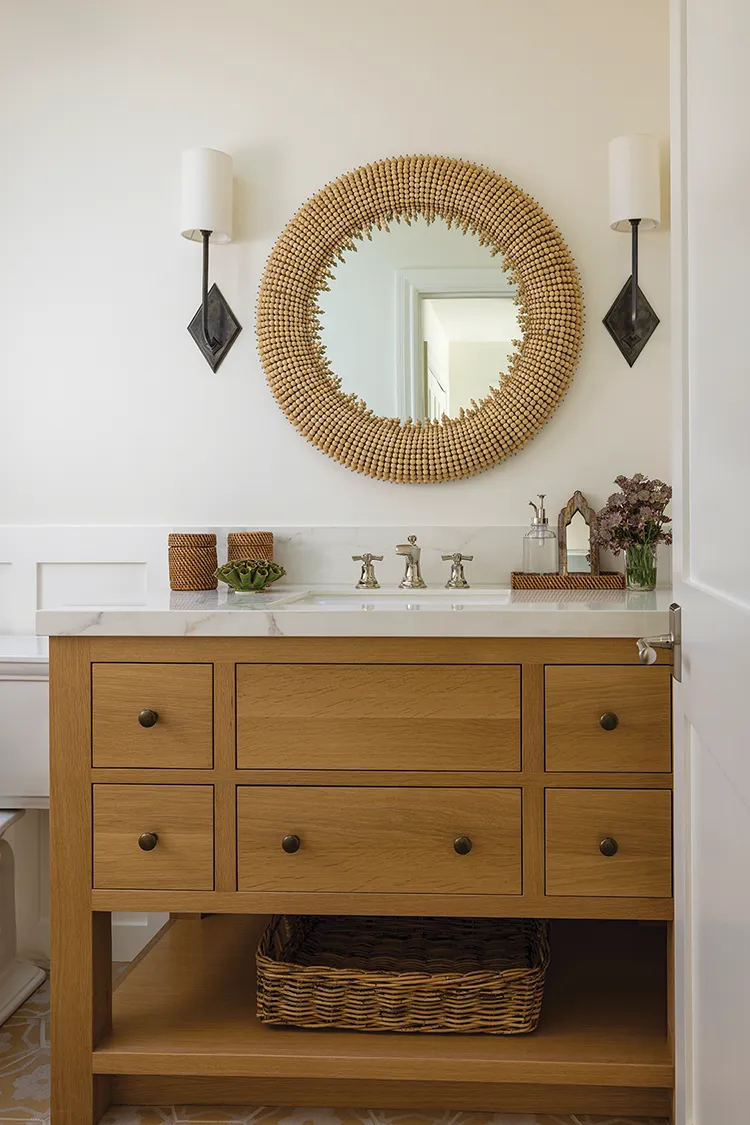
<point>634,184</point>
<point>206,194</point>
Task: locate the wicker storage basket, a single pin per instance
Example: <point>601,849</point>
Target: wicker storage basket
<point>403,974</point>
<point>250,545</point>
<point>192,562</point>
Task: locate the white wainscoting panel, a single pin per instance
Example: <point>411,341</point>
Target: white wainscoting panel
<point>6,575</point>
<point>76,566</point>
<point>91,583</point>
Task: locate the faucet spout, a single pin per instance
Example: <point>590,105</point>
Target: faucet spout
<point>412,579</point>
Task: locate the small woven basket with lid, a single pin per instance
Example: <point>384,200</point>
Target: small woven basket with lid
<point>249,545</point>
<point>403,974</point>
<point>192,562</point>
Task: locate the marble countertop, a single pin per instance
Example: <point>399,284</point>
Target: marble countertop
<point>321,611</point>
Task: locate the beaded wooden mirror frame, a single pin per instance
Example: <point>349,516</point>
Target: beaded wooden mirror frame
<point>506,220</point>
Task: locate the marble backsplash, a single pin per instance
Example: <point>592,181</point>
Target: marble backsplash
<point>324,554</point>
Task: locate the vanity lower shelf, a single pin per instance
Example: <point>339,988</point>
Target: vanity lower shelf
<point>188,1008</point>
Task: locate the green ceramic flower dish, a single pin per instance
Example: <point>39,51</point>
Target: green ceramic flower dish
<point>250,576</point>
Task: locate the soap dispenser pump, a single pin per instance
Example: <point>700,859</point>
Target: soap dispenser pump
<point>539,543</point>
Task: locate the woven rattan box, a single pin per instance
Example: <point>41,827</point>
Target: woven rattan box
<point>403,974</point>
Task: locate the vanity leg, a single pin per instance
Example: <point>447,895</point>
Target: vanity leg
<point>80,940</point>
<point>81,1017</point>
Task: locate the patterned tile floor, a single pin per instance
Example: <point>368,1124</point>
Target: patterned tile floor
<point>24,1093</point>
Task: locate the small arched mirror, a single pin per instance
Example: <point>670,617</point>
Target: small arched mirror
<point>575,525</point>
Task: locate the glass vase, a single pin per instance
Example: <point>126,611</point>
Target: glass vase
<point>640,566</point>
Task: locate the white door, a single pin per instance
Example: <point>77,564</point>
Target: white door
<point>711,241</point>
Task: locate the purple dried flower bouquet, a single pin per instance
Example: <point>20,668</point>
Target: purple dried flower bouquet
<point>633,521</point>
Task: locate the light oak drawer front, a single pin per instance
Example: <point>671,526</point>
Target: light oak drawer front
<point>612,719</point>
<point>609,842</point>
<point>380,717</point>
<point>380,840</point>
<point>126,697</point>
<point>126,820</point>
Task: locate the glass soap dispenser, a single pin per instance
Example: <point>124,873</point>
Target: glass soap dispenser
<point>539,543</point>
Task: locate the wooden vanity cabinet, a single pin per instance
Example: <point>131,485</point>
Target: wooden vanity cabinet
<point>375,840</point>
<point>387,717</point>
<point>346,776</point>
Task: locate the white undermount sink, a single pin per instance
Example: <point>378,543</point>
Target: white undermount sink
<point>411,600</point>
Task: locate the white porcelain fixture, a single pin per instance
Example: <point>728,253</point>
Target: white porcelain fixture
<point>18,979</point>
<point>24,742</point>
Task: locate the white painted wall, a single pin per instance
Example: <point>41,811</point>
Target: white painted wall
<point>110,414</point>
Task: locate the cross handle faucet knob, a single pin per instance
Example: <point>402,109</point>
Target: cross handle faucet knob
<point>457,580</point>
<point>367,578</point>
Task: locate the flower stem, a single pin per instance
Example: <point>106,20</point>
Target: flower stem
<point>640,566</point>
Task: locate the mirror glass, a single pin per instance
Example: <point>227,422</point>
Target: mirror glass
<point>578,545</point>
<point>419,320</point>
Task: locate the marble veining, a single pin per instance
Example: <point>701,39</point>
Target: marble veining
<point>338,611</point>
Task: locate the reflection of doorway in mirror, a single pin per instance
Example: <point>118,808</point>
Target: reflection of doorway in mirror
<point>436,393</point>
<point>578,545</point>
<point>468,342</point>
<point>371,314</point>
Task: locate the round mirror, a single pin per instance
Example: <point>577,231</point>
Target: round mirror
<point>420,321</point>
<point>392,338</point>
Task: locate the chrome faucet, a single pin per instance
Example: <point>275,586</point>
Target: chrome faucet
<point>367,579</point>
<point>412,579</point>
<point>457,580</point>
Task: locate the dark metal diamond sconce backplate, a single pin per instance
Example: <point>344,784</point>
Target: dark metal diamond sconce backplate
<point>223,325</point>
<point>631,341</point>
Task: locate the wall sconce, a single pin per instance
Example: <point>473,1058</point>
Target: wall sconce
<point>634,204</point>
<point>207,217</point>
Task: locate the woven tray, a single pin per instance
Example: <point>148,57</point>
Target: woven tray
<point>610,580</point>
<point>403,974</point>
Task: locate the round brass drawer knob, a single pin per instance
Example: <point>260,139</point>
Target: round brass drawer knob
<point>148,841</point>
<point>609,846</point>
<point>291,844</point>
<point>148,718</point>
<point>462,845</point>
<point>609,721</point>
